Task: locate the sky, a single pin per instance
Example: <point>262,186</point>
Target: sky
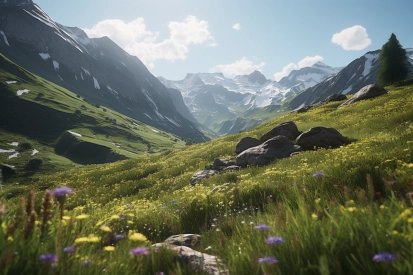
<point>236,37</point>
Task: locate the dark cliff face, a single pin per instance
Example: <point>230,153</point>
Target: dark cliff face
<point>97,69</point>
<point>9,3</point>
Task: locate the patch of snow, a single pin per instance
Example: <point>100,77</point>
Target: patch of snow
<point>173,122</point>
<point>7,151</point>
<point>45,56</point>
<point>110,89</point>
<point>13,144</point>
<point>56,65</point>
<point>16,153</point>
<point>146,93</point>
<point>148,116</point>
<point>81,75</point>
<point>95,81</point>
<point>75,134</point>
<point>34,152</point>
<point>75,77</point>
<point>60,77</point>
<point>156,131</point>
<point>20,92</point>
<point>135,124</point>
<point>86,71</point>
<point>4,38</point>
<point>11,82</point>
<point>347,90</point>
<point>123,64</point>
<point>299,107</point>
<point>370,58</point>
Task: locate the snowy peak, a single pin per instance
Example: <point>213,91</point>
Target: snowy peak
<point>254,77</point>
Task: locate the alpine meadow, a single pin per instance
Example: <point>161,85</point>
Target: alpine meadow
<point>107,169</point>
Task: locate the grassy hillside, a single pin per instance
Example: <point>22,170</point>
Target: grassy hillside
<point>64,128</point>
<point>334,209</point>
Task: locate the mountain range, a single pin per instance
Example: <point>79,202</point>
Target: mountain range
<point>219,103</point>
<point>94,68</point>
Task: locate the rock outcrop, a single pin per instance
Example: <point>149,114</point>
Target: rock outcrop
<point>198,176</point>
<point>287,129</point>
<point>275,148</point>
<point>246,143</point>
<point>317,137</point>
<point>366,92</point>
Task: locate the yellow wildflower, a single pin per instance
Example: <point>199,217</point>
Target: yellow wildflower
<point>66,218</point>
<point>114,217</point>
<point>317,201</point>
<point>314,216</point>
<point>93,238</point>
<point>82,240</point>
<point>137,237</point>
<point>351,209</point>
<point>105,228</point>
<point>394,232</point>
<point>382,206</point>
<point>82,216</point>
<point>410,220</point>
<point>10,238</point>
<point>109,248</point>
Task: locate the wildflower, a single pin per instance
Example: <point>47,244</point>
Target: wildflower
<point>115,217</point>
<point>48,257</point>
<point>351,209</point>
<point>69,249</point>
<point>314,216</point>
<point>93,239</point>
<point>82,240</point>
<point>382,206</point>
<point>109,248</point>
<point>137,237</point>
<point>262,227</point>
<point>318,174</point>
<point>87,262</point>
<point>139,251</point>
<point>274,240</point>
<point>105,228</point>
<point>61,191</point>
<point>270,260</point>
<point>317,201</point>
<point>118,237</point>
<point>384,257</point>
<point>82,217</point>
<point>410,220</point>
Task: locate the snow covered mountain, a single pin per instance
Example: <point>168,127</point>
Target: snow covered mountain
<point>213,98</point>
<point>359,73</point>
<point>94,68</point>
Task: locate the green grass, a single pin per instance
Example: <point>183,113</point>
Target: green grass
<point>332,224</point>
<point>46,114</point>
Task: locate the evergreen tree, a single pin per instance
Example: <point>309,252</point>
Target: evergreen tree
<point>393,62</point>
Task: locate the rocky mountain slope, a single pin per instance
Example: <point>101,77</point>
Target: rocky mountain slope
<point>97,69</point>
<point>359,73</point>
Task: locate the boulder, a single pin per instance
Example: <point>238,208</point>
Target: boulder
<point>321,137</point>
<point>219,164</point>
<point>275,148</point>
<point>232,168</point>
<point>334,97</point>
<point>202,175</point>
<point>304,109</point>
<point>216,188</point>
<point>366,92</point>
<point>287,129</point>
<point>189,240</point>
<point>246,143</point>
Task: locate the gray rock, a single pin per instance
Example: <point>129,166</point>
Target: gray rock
<point>275,148</point>
<point>208,263</point>
<point>366,92</point>
<point>216,188</point>
<point>287,129</point>
<point>321,137</point>
<point>218,164</point>
<point>202,175</point>
<point>232,168</point>
<point>334,97</point>
<point>189,240</point>
<point>304,109</point>
<point>246,143</point>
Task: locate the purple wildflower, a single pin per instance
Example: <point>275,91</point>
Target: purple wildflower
<point>48,257</point>
<point>384,257</point>
<point>270,260</point>
<point>118,237</point>
<point>61,191</point>
<point>318,174</point>
<point>274,240</point>
<point>139,251</point>
<point>69,249</point>
<point>262,227</point>
<point>87,262</point>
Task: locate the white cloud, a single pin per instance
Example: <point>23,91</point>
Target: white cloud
<point>134,38</point>
<point>307,61</point>
<point>354,38</point>
<point>237,27</point>
<point>239,67</point>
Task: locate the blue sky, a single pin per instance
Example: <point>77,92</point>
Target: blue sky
<point>176,37</point>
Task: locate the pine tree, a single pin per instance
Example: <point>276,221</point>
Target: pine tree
<point>393,62</point>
